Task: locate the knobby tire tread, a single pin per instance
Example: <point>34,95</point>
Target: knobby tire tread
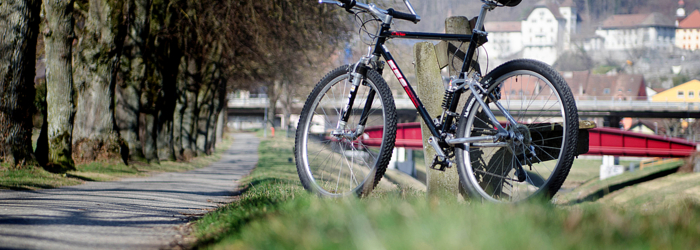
<point>390,128</point>
<point>564,166</point>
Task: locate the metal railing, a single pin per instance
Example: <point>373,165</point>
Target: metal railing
<point>606,103</point>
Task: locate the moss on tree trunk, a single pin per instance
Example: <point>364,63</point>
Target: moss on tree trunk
<point>96,61</point>
<point>58,39</point>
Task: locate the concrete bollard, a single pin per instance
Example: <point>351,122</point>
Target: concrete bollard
<point>429,59</point>
<point>430,90</point>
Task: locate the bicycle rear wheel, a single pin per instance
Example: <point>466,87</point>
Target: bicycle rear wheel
<point>332,165</point>
<point>542,105</point>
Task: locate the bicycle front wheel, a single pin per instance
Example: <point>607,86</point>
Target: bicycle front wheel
<point>337,162</point>
<point>546,119</point>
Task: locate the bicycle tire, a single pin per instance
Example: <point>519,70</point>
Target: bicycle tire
<point>331,166</point>
<point>502,174</point>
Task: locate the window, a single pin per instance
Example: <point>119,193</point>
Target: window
<point>606,91</point>
<point>680,94</point>
<point>691,94</point>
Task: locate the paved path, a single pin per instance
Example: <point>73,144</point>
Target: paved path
<point>134,213</point>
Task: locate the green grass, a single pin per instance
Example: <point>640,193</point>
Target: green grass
<point>595,189</point>
<point>585,170</point>
<point>274,212</point>
<point>31,178</point>
<point>657,194</point>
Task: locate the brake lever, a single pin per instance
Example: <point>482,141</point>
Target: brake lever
<point>342,5</point>
<point>331,2</point>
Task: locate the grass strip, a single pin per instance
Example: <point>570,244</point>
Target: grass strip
<point>32,178</point>
<point>595,189</point>
<point>657,194</point>
<point>274,212</point>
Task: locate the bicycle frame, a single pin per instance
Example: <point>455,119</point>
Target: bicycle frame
<point>381,50</point>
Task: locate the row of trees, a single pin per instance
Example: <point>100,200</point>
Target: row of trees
<point>144,80</point>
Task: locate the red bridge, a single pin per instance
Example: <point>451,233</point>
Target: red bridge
<point>601,141</point>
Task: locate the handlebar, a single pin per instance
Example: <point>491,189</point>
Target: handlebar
<point>404,16</point>
<point>350,4</point>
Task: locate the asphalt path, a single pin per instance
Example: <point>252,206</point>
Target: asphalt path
<point>133,213</point>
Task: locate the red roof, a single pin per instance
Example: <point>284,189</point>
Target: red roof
<point>691,22</point>
<point>636,20</point>
<point>503,26</point>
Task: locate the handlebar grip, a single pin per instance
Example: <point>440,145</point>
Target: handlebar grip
<point>348,4</point>
<point>403,16</point>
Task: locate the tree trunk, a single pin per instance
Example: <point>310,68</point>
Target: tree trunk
<point>127,112</point>
<point>168,57</point>
<point>204,107</point>
<point>135,70</point>
<point>58,40</point>
<point>166,108</point>
<point>190,114</point>
<point>96,63</point>
<point>19,25</point>
<point>218,107</point>
<point>149,95</point>
<point>148,120</point>
<point>211,118</point>
<point>180,106</point>
<point>273,93</point>
<point>287,104</point>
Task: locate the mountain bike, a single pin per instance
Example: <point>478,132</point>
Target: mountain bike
<point>514,139</point>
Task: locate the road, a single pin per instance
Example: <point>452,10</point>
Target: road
<point>134,213</point>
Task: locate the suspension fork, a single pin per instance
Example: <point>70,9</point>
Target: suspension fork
<point>358,73</point>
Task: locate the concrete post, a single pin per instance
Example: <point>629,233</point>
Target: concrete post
<point>457,25</point>
<point>429,59</point>
<point>430,91</point>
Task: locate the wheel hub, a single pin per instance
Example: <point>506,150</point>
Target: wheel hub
<point>520,143</point>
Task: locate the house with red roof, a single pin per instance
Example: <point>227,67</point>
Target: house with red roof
<point>542,35</point>
<point>633,31</point>
<point>688,32</point>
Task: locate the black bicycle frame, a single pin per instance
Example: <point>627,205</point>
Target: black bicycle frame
<point>381,50</point>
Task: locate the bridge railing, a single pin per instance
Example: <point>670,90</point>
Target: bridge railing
<point>257,102</point>
<point>592,103</point>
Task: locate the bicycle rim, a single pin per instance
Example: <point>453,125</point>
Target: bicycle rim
<point>537,107</point>
<point>340,166</point>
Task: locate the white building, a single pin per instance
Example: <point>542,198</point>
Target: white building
<point>505,39</point>
<point>633,31</point>
<point>543,35</point>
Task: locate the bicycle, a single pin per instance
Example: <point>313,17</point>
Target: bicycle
<point>527,153</point>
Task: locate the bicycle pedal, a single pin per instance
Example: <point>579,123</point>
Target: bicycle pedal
<point>440,165</point>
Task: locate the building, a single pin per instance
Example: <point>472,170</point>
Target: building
<point>505,39</point>
<point>686,92</point>
<point>547,30</point>
<point>542,35</point>
<point>680,12</point>
<point>588,86</point>
<point>688,32</point>
<point>635,31</point>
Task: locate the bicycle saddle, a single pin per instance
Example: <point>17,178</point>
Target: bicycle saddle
<point>509,3</point>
